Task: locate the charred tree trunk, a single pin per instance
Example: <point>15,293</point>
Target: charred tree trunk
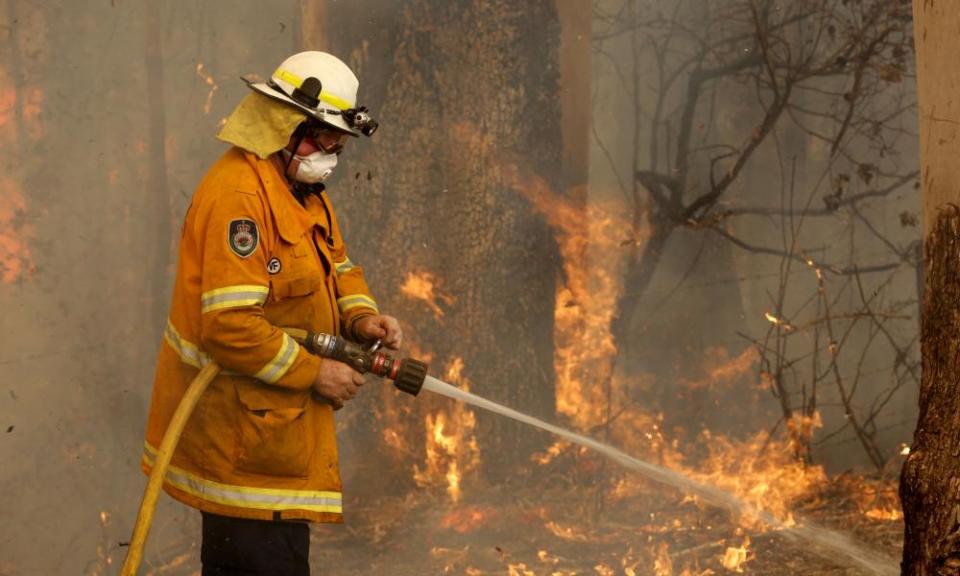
<point>930,481</point>
<point>463,96</point>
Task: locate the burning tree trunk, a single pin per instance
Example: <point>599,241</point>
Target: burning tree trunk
<point>465,96</point>
<point>930,481</point>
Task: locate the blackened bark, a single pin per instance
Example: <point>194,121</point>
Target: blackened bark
<point>930,481</point>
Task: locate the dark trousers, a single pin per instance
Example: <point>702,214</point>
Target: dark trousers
<point>241,547</point>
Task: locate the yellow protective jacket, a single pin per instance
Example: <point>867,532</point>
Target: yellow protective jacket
<point>253,260</point>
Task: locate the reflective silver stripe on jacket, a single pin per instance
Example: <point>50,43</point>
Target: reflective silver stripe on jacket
<point>356,301</point>
<point>344,267</point>
<point>245,496</point>
<point>281,363</point>
<point>188,352</point>
<point>233,296</point>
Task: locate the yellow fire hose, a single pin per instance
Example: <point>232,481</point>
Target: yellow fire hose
<point>407,375</point>
<point>170,439</point>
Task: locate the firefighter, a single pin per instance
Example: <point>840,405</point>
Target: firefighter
<point>261,250</point>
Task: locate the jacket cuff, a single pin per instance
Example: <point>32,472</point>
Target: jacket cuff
<point>303,373</point>
<point>350,323</point>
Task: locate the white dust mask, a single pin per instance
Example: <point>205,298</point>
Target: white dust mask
<point>315,167</point>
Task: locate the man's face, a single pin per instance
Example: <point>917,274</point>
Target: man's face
<point>315,139</point>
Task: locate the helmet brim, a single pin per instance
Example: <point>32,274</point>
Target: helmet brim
<point>335,121</point>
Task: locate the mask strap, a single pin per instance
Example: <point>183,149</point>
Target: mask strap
<point>296,145</point>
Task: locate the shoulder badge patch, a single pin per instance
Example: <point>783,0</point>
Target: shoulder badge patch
<point>243,237</point>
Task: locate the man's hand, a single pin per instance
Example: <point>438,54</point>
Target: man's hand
<point>337,382</point>
<point>383,328</point>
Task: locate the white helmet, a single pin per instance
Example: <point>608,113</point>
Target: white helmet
<point>323,87</point>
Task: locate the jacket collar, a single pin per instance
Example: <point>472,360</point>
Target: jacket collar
<point>292,219</point>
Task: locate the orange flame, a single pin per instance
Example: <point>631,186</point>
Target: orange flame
<point>547,558</point>
<point>801,429</point>
<point>884,514</point>
<point>566,532</point>
<point>591,240</point>
<point>422,286</point>
<point>467,519</point>
<point>721,370</point>
<point>395,415</point>
<point>520,569</point>
<point>735,556</point>
<point>451,446</point>
<point>765,474</point>
<point>877,499</point>
<point>663,564</point>
<point>550,453</point>
<point>604,570</point>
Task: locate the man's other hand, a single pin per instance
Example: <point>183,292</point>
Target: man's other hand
<point>337,382</point>
<point>383,328</point>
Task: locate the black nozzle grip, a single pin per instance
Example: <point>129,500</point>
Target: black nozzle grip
<point>411,375</point>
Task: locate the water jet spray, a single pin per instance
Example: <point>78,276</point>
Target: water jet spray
<point>826,542</point>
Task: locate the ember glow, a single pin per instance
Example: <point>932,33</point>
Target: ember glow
<point>209,81</point>
<point>15,259</point>
<point>776,321</point>
<point>8,101</point>
<point>21,109</point>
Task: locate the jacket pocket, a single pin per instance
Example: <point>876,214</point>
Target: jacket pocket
<point>274,436</point>
<point>295,286</point>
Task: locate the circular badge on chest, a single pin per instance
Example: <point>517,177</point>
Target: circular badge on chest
<point>273,266</point>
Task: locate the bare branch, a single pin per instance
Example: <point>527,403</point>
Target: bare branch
<point>828,210</point>
<point>832,268</point>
